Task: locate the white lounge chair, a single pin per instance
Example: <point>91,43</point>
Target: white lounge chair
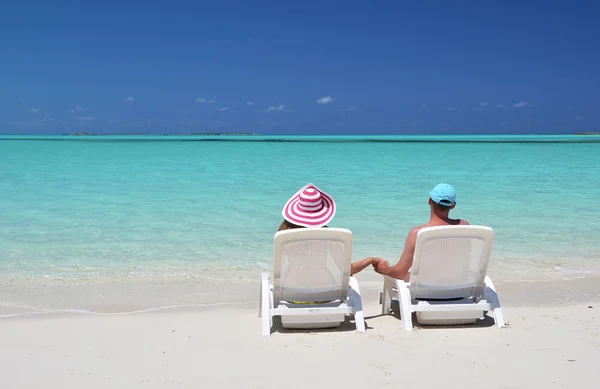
<point>312,286</point>
<point>448,283</point>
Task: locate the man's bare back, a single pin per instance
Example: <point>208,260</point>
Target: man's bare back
<point>442,200</point>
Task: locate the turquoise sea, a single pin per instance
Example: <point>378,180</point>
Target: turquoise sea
<point>139,206</point>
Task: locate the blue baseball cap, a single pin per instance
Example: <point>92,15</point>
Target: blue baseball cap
<point>443,194</point>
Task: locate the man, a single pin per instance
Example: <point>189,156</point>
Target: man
<point>441,200</point>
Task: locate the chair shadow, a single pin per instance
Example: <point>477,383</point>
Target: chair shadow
<point>486,322</point>
<point>347,326</point>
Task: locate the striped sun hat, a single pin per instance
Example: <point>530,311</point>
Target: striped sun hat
<point>309,207</point>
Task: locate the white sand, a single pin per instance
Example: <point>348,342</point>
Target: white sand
<point>543,347</point>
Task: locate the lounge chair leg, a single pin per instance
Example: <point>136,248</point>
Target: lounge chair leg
<point>356,303</point>
<point>260,297</point>
<point>359,319</point>
<point>405,304</point>
<point>265,304</point>
<point>386,300</point>
<point>492,296</point>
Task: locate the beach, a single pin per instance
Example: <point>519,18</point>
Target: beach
<point>552,341</point>
<point>134,263</point>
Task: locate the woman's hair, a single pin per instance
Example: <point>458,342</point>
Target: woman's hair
<point>286,225</point>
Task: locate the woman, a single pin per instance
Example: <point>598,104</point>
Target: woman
<point>310,207</point>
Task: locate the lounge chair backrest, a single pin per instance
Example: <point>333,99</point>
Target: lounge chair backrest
<point>312,264</point>
<point>451,262</point>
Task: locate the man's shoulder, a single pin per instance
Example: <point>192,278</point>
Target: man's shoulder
<point>415,230</point>
<point>411,238</point>
<point>463,222</point>
<point>418,228</point>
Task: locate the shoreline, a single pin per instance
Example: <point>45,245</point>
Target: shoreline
<point>22,297</point>
<point>504,267</point>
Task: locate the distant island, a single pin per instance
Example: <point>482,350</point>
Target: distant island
<point>587,133</point>
<point>144,134</point>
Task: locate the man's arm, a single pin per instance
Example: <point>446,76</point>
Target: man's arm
<point>400,269</point>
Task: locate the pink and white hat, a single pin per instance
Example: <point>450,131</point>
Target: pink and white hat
<point>309,207</point>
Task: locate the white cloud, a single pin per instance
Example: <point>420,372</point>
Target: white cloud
<point>250,103</point>
<point>273,108</point>
<point>521,104</point>
<point>579,118</point>
<point>325,100</point>
<point>483,104</point>
<point>500,106</point>
<point>351,108</point>
<point>34,110</point>
<point>77,108</point>
<point>202,100</point>
<point>86,118</point>
<point>223,109</point>
<point>451,109</point>
<point>130,99</point>
<point>423,105</point>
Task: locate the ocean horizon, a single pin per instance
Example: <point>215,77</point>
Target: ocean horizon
<point>84,207</point>
<point>257,137</point>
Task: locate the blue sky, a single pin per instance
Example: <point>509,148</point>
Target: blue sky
<point>292,67</point>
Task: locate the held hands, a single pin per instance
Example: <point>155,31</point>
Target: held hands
<point>374,261</point>
<point>381,267</point>
<point>379,264</point>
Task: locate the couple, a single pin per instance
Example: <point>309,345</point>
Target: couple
<point>310,207</point>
